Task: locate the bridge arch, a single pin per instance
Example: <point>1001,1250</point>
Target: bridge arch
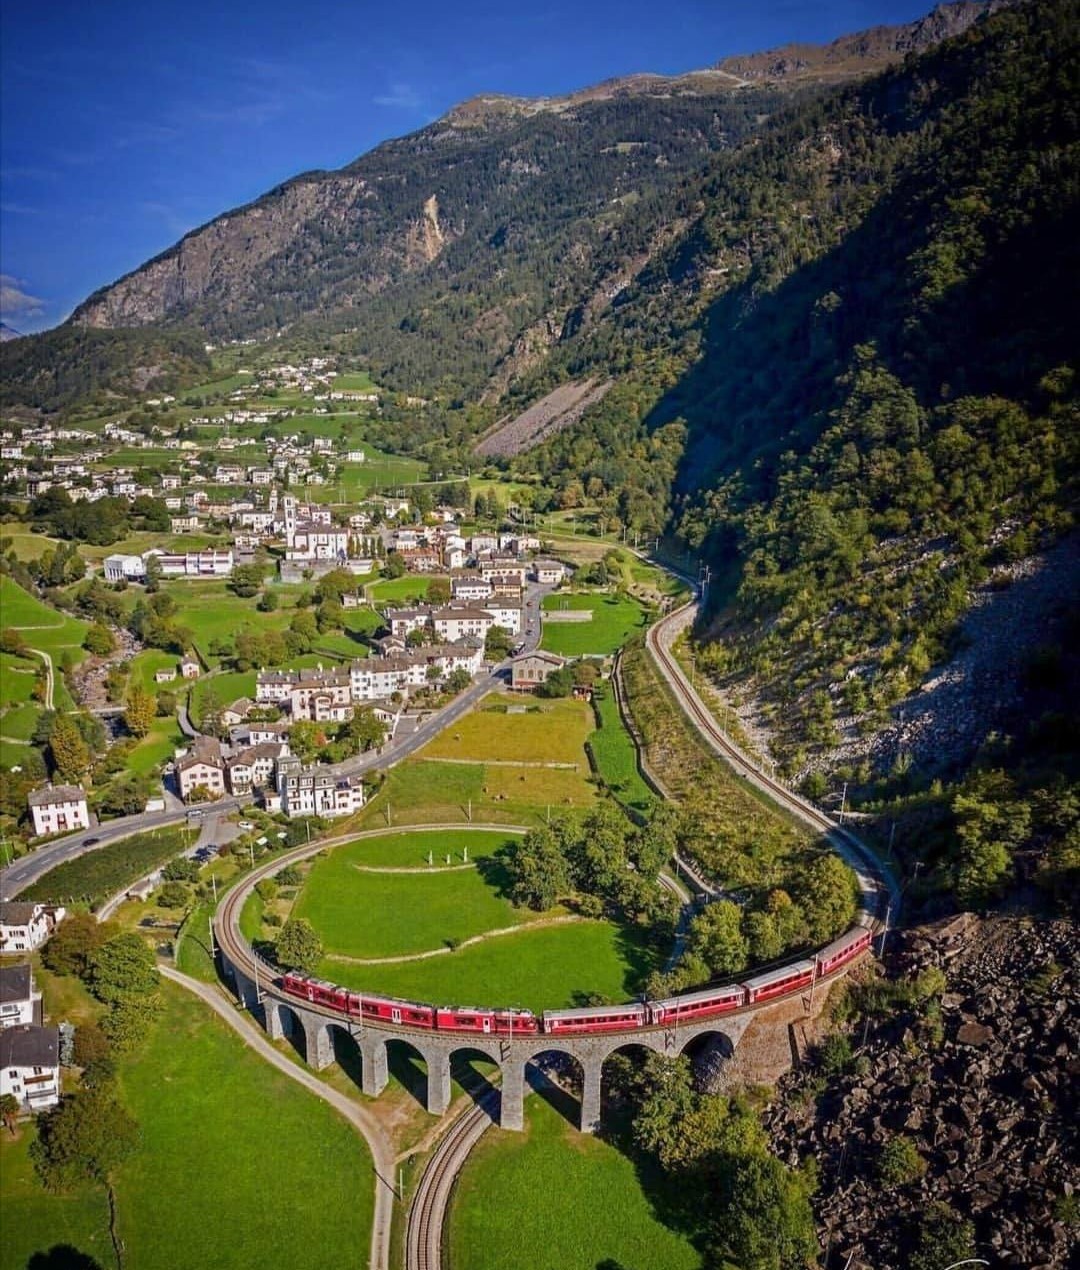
<point>561,1076</point>
<point>285,1022</point>
<point>470,1065</point>
<point>347,1051</point>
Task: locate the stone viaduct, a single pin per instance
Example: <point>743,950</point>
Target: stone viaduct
<point>286,1016</point>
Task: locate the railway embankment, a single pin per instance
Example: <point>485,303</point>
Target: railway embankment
<point>952,1100</point>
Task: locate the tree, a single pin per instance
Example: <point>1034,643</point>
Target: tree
<point>438,591</point>
<point>12,641</point>
<point>828,897</point>
<point>126,1022</point>
<point>763,1220</point>
<point>182,869</point>
<point>70,755</point>
<point>99,640</point>
<point>9,1111</point>
<point>298,946</point>
<point>394,566</point>
<point>123,968</point>
<point>458,680</point>
<point>364,729</point>
<point>305,740</point>
<point>716,937</point>
<point>498,643</point>
<point>74,943</point>
<point>84,1137</point>
<point>537,867</point>
<point>246,579</point>
<point>140,712</point>
<point>268,601</point>
<point>91,1044</point>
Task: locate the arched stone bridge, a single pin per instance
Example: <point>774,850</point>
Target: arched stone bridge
<point>284,1015</point>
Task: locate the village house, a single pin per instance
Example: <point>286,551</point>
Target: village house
<point>528,672</point>
<point>184,524</point>
<point>30,1065</point>
<point>165,676</point>
<point>19,1000</point>
<point>549,572</point>
<point>254,767</point>
<point>505,614</point>
<point>454,622</point>
<point>317,791</point>
<point>402,621</point>
<point>195,564</point>
<point>470,587</point>
<point>58,809</point>
<point>189,668</point>
<point>201,768</point>
<point>26,925</point>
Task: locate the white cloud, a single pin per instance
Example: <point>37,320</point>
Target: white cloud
<point>401,96</point>
<point>17,303</point>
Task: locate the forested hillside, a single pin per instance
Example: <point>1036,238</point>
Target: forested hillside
<point>881,428</point>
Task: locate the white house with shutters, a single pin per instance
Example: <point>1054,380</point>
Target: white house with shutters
<point>58,809</point>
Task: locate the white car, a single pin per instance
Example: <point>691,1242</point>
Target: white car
<point>246,824</point>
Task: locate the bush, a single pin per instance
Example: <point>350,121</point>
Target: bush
<point>834,1053</point>
<point>290,875</point>
<point>173,895</point>
<point>266,889</point>
<point>271,919</point>
<point>182,869</point>
<point>899,1162</point>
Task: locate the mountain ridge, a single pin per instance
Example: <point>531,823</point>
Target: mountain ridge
<point>322,243</point>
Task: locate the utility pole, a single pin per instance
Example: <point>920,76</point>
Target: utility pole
<point>213,883</point>
<point>251,852</point>
<point>843,802</point>
<point>213,947</point>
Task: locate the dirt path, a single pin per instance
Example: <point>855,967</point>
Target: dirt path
<point>359,1117</point>
<point>50,678</point>
<point>429,870</point>
<point>465,943</point>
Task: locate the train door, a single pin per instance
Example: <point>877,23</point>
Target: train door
<point>487,1022</point>
<point>395,1014</point>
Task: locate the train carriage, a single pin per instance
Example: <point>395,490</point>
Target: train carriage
<point>318,992</point>
<point>594,1018</point>
<point>776,983</point>
<point>697,1005</point>
<point>485,1022</point>
<point>393,1010</point>
<point>843,950</point>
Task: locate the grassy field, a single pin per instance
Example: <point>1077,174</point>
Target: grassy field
<point>360,914</point>
<point>159,744</point>
<point>555,733</point>
<point>397,590</point>
<point>555,1199</point>
<point>35,1221</point>
<point>536,969</point>
<point>419,792</point>
<point>615,755</point>
<point>99,873</point>
<point>614,620</point>
<point>267,1148</point>
<point>410,850</point>
<point>16,536</point>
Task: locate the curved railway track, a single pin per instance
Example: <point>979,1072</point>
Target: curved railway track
<point>427,1212</point>
<point>879,891</point>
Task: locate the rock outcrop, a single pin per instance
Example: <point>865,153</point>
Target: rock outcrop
<point>982,1083</point>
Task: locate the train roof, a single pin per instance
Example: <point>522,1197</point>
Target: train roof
<point>702,994</point>
<point>845,941</point>
<point>412,1005</point>
<point>779,974</point>
<point>486,1009</point>
<point>595,1011</point>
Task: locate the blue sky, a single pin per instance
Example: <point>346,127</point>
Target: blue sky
<point>125,123</point>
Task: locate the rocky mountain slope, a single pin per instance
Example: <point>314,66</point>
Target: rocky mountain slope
<point>497,232</point>
<point>950,1110</point>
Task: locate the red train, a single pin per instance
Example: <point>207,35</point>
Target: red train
<point>687,1007</point>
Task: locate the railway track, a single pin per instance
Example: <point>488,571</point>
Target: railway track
<point>879,891</point>
<point>427,1212</point>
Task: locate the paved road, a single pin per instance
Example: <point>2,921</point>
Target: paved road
<point>359,1117</point>
<point>28,869</point>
